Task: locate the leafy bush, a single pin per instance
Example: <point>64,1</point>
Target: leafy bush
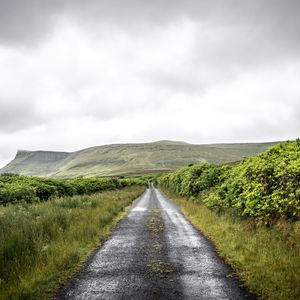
<point>265,187</point>
<point>15,192</point>
<point>15,188</point>
<point>192,180</point>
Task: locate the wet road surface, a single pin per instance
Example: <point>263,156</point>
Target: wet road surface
<point>154,253</point>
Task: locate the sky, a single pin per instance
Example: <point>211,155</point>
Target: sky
<point>75,74</point>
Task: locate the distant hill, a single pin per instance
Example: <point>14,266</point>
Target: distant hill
<point>128,159</point>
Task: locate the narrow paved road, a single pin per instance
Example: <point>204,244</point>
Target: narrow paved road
<point>154,253</point>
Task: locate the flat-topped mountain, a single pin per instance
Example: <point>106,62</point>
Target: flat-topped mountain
<point>126,159</point>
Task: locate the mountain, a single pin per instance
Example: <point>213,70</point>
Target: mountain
<point>128,159</point>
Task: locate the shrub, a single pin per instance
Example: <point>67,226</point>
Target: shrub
<point>14,188</point>
<point>265,187</point>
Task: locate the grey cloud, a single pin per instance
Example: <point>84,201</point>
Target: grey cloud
<point>22,21</point>
<point>25,22</point>
<point>16,115</point>
<point>178,81</point>
<point>238,31</point>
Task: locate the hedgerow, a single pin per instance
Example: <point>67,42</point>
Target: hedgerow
<point>192,180</point>
<point>265,187</point>
<point>29,189</point>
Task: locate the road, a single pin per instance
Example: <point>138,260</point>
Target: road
<point>154,253</point>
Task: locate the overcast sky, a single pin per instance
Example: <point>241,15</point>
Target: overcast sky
<point>75,73</point>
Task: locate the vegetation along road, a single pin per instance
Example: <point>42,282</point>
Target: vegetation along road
<point>154,253</point>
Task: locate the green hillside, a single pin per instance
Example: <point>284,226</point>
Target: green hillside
<point>126,159</point>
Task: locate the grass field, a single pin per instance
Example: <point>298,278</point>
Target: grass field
<point>42,244</point>
<point>267,259</point>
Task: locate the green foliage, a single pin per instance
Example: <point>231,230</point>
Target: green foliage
<point>42,244</point>
<point>190,181</point>
<point>265,187</point>
<point>16,192</point>
<point>29,189</point>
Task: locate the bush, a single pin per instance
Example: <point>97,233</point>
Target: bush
<point>17,193</point>
<point>265,187</point>
<point>15,188</point>
<point>190,181</point>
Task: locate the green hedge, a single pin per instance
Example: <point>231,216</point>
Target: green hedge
<point>265,187</point>
<point>192,180</point>
<point>15,188</point>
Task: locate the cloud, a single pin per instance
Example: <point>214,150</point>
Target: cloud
<point>26,21</point>
<point>15,115</point>
<point>80,73</point>
<point>274,20</point>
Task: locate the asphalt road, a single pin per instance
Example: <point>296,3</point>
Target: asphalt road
<point>154,253</point>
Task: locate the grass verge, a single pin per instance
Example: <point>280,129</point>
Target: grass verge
<point>41,245</point>
<point>267,259</point>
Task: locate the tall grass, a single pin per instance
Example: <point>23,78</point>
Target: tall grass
<point>42,244</point>
<point>266,258</point>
